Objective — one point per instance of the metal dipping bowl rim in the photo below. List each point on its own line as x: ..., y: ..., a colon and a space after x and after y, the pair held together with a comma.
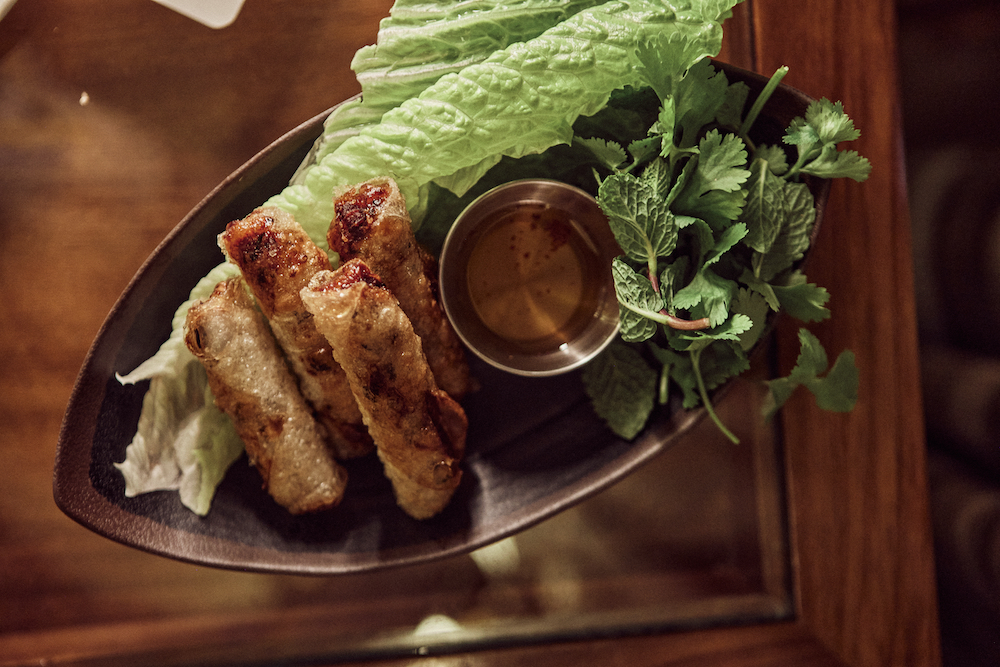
x: 590, y: 220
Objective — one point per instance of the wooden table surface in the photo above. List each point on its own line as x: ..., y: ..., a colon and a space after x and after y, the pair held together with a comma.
x: 118, y: 116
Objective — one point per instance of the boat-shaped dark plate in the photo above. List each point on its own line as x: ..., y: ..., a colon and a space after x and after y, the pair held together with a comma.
x: 535, y: 447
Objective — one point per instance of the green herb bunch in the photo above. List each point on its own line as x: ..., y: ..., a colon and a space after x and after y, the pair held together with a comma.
x: 712, y: 228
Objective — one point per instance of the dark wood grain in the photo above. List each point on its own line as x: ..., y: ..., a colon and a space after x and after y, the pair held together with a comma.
x: 857, y: 484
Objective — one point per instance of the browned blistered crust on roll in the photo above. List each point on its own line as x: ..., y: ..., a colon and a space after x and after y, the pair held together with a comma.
x: 371, y: 223
x: 418, y: 429
x: 277, y: 258
x: 253, y: 385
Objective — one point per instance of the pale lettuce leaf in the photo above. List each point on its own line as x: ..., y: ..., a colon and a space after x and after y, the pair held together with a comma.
x: 182, y: 442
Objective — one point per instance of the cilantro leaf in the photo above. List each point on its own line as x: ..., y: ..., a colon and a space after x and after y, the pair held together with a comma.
x: 701, y: 233
x: 775, y: 156
x: 622, y: 388
x: 730, y: 330
x: 608, y: 153
x: 644, y: 150
x: 730, y: 113
x: 816, y: 137
x: 664, y: 125
x: 828, y: 120
x: 754, y: 306
x: 712, y: 190
x: 700, y: 95
x: 664, y: 59
x: 761, y: 287
x: 838, y: 164
x: 707, y: 295
x: 836, y: 391
x: 727, y: 240
x: 803, y: 300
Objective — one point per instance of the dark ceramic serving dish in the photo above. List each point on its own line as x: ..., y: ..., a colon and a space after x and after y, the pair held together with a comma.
x: 534, y: 449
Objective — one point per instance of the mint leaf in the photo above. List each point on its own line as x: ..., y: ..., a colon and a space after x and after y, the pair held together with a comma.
x: 764, y: 211
x: 643, y: 226
x: 638, y: 302
x: 657, y: 174
x: 837, y: 391
x: 789, y: 246
x: 712, y: 189
x: 622, y: 388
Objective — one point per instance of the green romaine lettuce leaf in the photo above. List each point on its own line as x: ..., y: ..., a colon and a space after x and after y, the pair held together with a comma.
x: 422, y: 40
x: 520, y: 100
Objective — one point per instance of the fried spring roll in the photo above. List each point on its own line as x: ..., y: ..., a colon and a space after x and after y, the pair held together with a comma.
x: 277, y: 258
x: 418, y: 429
x: 371, y: 223
x: 253, y: 385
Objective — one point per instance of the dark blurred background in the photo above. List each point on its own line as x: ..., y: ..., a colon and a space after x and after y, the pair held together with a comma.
x: 950, y: 84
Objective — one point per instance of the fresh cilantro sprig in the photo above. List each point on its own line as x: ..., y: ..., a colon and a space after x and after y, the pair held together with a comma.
x: 712, y: 227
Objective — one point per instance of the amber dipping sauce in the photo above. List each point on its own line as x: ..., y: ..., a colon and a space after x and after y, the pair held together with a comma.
x: 531, y: 276
x: 526, y: 277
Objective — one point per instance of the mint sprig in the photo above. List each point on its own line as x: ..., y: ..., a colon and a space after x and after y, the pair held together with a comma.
x: 712, y: 228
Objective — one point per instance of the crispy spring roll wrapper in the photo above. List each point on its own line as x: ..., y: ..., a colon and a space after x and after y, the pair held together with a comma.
x: 277, y: 258
x: 253, y: 385
x: 371, y: 223
x: 418, y: 428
